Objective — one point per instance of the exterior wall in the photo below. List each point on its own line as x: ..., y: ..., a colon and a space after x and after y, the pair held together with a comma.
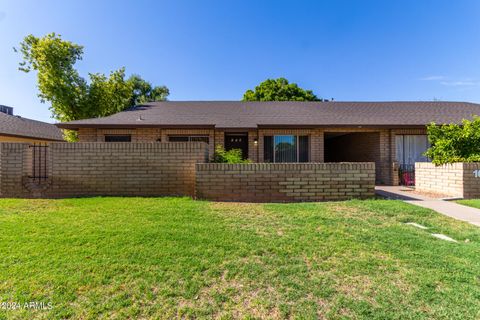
x: 285, y: 182
x: 88, y: 169
x: 454, y: 180
x: 4, y: 138
x: 145, y: 135
x: 384, y: 154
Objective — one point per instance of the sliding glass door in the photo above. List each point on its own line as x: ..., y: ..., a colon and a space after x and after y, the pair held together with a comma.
x: 410, y: 149
x: 286, y: 149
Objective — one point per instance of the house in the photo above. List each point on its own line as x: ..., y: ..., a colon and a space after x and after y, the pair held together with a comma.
x: 18, y: 129
x: 380, y: 132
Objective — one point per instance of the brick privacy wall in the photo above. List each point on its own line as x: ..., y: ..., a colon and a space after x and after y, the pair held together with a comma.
x: 285, y: 182
x: 384, y: 159
x: 455, y: 180
x: 12, y: 169
x: 116, y: 169
x: 471, y: 184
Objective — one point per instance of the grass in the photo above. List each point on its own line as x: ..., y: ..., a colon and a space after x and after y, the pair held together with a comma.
x: 174, y: 257
x: 471, y: 203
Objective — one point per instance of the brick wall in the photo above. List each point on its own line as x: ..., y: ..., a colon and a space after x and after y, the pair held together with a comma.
x: 455, y: 180
x: 89, y: 169
x: 384, y: 142
x: 13, y: 168
x: 268, y: 182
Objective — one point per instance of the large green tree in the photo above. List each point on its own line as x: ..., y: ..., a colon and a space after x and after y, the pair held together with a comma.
x: 279, y: 90
x: 71, y: 96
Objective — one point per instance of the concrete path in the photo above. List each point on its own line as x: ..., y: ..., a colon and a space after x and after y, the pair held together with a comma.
x: 448, y: 208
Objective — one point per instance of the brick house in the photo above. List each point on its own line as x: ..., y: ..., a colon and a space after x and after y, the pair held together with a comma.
x: 386, y: 133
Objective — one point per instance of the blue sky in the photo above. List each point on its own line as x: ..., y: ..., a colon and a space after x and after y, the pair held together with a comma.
x: 215, y: 50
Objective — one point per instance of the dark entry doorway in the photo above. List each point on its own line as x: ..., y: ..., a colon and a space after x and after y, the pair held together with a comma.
x: 237, y: 141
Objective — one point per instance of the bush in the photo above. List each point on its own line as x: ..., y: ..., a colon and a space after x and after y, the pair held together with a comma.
x: 454, y: 143
x: 230, y: 156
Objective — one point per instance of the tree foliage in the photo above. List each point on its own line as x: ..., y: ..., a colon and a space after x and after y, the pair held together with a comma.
x: 454, y: 143
x: 71, y: 96
x: 143, y: 91
x: 279, y: 90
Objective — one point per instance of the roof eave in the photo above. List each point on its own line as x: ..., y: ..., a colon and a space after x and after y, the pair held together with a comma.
x: 370, y: 126
x: 30, y: 137
x: 75, y: 126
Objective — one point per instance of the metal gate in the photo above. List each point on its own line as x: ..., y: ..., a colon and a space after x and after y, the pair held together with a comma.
x: 39, y: 167
x: 406, y: 174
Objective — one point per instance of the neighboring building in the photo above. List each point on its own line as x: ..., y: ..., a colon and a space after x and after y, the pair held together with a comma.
x: 381, y: 132
x: 18, y: 129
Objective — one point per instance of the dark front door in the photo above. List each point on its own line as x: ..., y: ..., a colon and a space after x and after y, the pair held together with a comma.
x: 237, y: 141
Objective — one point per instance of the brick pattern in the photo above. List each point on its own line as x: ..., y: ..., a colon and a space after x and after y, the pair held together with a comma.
x: 13, y: 166
x: 471, y: 184
x: 384, y: 153
x: 455, y: 180
x: 268, y: 182
x: 446, y: 179
x: 116, y: 169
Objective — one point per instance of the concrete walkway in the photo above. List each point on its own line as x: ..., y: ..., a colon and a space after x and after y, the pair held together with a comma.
x: 448, y: 208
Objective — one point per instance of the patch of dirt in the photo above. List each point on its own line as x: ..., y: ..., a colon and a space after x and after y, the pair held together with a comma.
x: 434, y: 195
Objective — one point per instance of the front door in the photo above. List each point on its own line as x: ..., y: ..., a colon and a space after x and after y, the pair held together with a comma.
x: 237, y: 141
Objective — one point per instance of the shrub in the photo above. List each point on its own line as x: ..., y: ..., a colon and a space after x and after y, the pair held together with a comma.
x: 454, y: 143
x: 230, y: 156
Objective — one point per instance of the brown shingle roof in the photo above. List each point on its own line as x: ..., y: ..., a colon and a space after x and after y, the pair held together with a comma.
x: 23, y: 127
x: 236, y: 114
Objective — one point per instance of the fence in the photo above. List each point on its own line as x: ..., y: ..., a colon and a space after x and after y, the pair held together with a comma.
x: 90, y: 169
x: 455, y: 180
x: 285, y: 182
x: 170, y: 169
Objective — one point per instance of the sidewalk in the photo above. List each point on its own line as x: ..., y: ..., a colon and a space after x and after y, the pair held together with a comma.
x: 448, y: 208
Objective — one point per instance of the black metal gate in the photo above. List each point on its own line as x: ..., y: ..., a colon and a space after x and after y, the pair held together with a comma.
x: 39, y: 169
x: 406, y: 174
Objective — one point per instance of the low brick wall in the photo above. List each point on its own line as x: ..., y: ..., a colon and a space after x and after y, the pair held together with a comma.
x: 455, y: 180
x: 268, y: 182
x: 116, y: 169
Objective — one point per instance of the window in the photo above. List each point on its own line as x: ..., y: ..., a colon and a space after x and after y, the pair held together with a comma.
x: 118, y: 138
x: 410, y: 149
x: 285, y: 148
x: 188, y: 139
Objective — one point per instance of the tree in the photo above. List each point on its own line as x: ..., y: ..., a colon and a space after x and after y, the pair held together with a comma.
x: 71, y: 96
x: 144, y: 92
x: 279, y: 90
x: 454, y: 143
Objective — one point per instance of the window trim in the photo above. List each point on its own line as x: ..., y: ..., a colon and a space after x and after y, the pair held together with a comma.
x: 189, y: 137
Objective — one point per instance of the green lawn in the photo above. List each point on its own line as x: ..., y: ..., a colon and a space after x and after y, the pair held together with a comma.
x: 471, y: 203
x: 174, y: 257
